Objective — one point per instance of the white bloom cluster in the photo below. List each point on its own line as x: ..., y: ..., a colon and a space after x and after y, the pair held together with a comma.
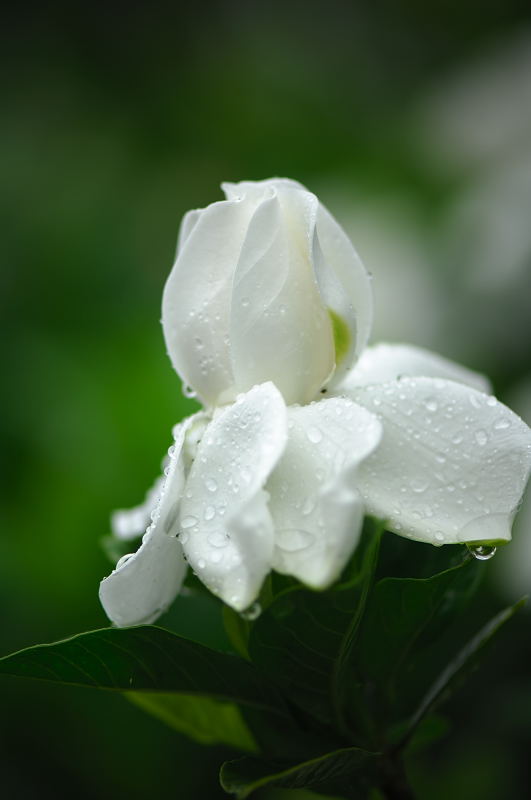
x: 266, y: 315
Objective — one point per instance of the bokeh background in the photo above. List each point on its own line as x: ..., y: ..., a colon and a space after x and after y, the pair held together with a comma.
x: 412, y: 122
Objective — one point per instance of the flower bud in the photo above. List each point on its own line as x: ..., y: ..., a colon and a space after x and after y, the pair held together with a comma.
x: 266, y: 287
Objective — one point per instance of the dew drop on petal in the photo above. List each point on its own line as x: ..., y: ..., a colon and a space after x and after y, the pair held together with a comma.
x: 123, y: 560
x: 293, y: 540
x: 210, y: 513
x: 188, y: 522
x: 314, y: 435
x: 419, y: 485
x: 211, y: 484
x: 502, y: 424
x: 218, y: 539
x: 481, y: 437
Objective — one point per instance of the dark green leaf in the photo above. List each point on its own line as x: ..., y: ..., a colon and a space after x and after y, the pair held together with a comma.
x: 404, y: 617
x: 305, y: 639
x: 144, y: 658
x: 462, y: 665
x: 204, y: 719
x: 349, y: 766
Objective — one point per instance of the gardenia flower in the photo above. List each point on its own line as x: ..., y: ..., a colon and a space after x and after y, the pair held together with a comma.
x: 266, y: 316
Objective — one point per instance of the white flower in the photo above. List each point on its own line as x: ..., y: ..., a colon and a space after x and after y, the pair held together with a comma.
x: 257, y: 482
x: 266, y: 286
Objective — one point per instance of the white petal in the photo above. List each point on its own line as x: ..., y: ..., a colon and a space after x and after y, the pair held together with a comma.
x: 315, y: 505
x: 188, y: 223
x: 197, y: 297
x: 388, y: 362
x: 129, y: 523
x: 280, y: 327
x: 452, y: 465
x: 226, y: 528
x: 144, y: 584
x: 343, y: 261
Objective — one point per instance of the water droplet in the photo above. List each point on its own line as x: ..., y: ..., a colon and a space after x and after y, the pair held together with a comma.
x: 419, y: 485
x: 481, y: 437
x: 482, y: 551
x: 218, y: 539
x: 431, y: 404
x: 491, y: 401
x: 309, y: 505
x: 211, y: 484
x: 210, y: 513
x: 245, y: 302
x: 201, y: 564
x: 183, y: 537
x: 171, y: 450
x: 439, y: 536
x: 123, y: 560
x: 474, y: 400
x: 188, y: 522
x: 501, y: 424
x: 252, y: 613
x: 188, y: 392
x: 457, y: 439
x: 314, y: 435
x: 292, y: 540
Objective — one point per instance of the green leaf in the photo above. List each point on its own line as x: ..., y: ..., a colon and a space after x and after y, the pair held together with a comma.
x: 404, y: 617
x: 462, y: 665
x: 144, y: 658
x: 305, y: 639
x: 349, y: 767
x: 203, y: 719
x: 238, y: 630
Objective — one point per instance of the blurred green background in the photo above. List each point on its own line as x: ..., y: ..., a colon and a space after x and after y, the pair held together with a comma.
x: 412, y: 122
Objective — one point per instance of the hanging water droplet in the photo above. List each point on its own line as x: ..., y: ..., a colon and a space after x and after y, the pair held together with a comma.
x: 481, y: 437
x: 188, y: 522
x: 188, y: 392
x: 439, y: 536
x: 482, y: 551
x: 252, y: 613
x: 314, y: 435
